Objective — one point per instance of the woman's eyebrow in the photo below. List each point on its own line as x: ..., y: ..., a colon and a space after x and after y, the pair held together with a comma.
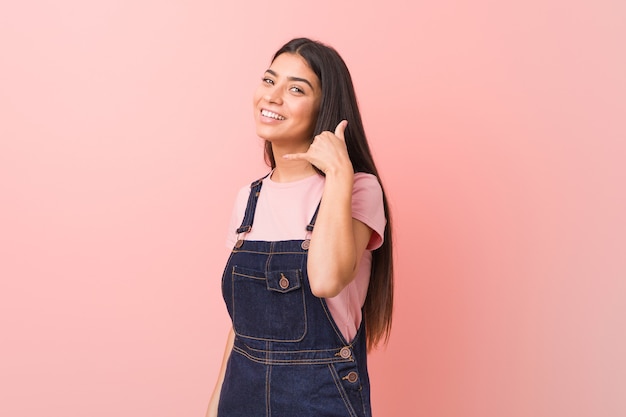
x: 304, y: 80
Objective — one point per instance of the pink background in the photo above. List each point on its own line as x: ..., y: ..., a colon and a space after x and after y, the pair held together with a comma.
x: 499, y: 129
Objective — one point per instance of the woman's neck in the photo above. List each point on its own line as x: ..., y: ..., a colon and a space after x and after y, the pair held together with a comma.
x: 291, y: 170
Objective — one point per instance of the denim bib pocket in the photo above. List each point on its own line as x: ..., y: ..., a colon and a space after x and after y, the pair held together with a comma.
x: 268, y: 306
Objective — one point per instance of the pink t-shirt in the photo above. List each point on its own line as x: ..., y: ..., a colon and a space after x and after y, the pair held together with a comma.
x: 283, y: 211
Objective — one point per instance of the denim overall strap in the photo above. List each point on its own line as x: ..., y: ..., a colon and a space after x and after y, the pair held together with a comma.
x: 248, y: 218
x: 311, y: 224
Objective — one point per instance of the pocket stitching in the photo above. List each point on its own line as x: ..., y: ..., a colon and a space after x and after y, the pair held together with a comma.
x: 260, y: 276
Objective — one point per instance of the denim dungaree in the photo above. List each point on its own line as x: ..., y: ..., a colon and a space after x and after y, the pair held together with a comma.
x: 289, y: 359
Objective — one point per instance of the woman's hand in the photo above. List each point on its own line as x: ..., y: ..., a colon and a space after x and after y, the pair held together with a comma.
x: 328, y: 151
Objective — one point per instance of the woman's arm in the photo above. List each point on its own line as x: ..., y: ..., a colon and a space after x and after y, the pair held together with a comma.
x: 215, y: 397
x: 338, y: 240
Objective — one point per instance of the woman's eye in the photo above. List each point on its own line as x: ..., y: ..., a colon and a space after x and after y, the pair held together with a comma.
x: 268, y: 81
x: 296, y: 90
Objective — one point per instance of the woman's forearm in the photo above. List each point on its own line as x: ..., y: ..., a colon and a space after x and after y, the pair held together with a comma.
x: 338, y: 241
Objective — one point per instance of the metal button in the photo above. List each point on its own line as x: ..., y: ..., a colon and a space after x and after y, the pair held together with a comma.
x: 283, y: 282
x: 345, y: 352
x: 352, y: 377
x: 305, y: 244
x: 239, y: 243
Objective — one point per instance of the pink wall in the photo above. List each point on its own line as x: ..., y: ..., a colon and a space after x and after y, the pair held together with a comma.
x: 125, y: 130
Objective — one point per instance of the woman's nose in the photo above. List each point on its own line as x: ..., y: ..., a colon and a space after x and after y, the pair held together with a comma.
x: 273, y: 96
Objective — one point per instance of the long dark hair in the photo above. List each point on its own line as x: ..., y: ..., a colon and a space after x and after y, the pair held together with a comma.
x: 339, y: 103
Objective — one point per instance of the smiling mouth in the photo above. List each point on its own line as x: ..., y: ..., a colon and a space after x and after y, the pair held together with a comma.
x: 271, y: 115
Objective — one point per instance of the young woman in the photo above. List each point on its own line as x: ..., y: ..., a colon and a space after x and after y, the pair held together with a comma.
x: 309, y: 282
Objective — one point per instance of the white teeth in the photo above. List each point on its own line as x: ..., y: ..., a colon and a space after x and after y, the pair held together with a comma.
x: 271, y: 114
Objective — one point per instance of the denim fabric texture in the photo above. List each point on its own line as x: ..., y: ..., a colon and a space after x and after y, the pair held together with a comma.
x: 289, y: 359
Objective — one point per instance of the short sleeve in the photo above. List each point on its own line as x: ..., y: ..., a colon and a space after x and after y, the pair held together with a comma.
x: 236, y: 217
x: 368, y: 207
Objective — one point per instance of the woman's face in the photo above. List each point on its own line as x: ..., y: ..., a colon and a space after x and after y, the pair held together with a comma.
x: 287, y: 102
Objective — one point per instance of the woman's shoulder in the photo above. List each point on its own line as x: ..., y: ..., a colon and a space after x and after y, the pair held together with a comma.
x: 368, y: 206
x: 245, y: 188
x: 364, y: 182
